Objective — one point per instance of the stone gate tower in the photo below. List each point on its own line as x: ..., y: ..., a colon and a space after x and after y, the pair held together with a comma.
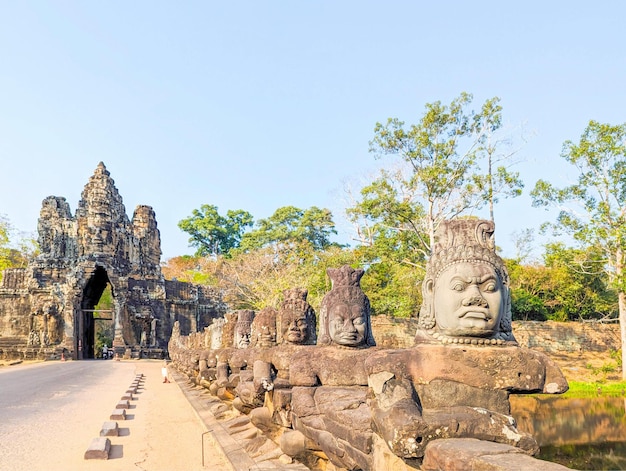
x: 48, y: 307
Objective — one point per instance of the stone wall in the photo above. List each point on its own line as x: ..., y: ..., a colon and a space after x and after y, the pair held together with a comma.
x: 567, y: 337
x: 548, y: 337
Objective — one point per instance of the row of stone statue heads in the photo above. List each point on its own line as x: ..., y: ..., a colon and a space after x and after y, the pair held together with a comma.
x: 454, y: 382
x: 466, y: 300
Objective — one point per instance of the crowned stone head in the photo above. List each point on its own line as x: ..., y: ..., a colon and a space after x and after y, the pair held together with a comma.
x: 345, y: 317
x: 243, y: 328
x: 263, y: 328
x: 466, y: 289
x: 296, y: 321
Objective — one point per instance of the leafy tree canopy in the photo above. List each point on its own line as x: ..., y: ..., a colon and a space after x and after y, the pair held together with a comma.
x: 213, y: 234
x: 15, y: 250
x: 441, y: 173
x: 292, y: 226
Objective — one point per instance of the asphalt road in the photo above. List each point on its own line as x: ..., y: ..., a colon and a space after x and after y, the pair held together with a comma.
x: 51, y: 411
x: 46, y: 408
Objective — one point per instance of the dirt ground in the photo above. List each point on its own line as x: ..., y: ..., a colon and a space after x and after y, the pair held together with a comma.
x: 588, y: 366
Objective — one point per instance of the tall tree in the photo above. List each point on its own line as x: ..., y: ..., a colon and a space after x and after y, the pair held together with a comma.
x: 213, y: 234
x: 593, y: 210
x: 495, y: 153
x: 290, y: 225
x: 441, y: 173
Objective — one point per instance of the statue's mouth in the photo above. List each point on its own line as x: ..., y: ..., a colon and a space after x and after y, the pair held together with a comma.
x: 476, y: 313
x: 348, y: 336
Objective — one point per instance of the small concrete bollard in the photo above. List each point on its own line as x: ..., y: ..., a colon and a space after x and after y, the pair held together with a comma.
x: 123, y: 405
x: 118, y: 414
x: 109, y: 429
x: 99, y: 449
x: 127, y: 397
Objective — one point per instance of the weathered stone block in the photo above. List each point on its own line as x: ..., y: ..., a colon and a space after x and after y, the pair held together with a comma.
x: 462, y: 454
x: 118, y: 414
x: 109, y: 429
x: 123, y: 405
x: 98, y: 449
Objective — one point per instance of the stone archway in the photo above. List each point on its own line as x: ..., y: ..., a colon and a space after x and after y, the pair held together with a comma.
x: 84, y: 317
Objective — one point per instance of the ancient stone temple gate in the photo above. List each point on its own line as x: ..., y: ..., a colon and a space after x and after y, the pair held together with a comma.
x: 47, y: 308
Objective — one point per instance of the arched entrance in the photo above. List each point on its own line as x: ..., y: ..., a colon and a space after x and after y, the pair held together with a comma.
x: 85, y: 321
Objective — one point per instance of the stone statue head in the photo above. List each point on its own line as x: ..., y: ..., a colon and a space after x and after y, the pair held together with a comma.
x: 296, y: 320
x: 228, y: 329
x: 466, y: 289
x: 215, y: 333
x: 345, y: 311
x: 243, y: 328
x: 263, y: 329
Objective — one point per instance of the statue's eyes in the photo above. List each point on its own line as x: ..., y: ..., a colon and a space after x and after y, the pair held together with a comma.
x: 359, y: 321
x: 458, y: 286
x: 490, y: 287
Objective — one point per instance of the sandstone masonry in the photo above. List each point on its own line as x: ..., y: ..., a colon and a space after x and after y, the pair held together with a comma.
x: 47, y: 309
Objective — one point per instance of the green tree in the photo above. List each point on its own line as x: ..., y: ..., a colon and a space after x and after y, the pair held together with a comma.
x: 593, y: 210
x: 15, y: 251
x: 448, y: 166
x: 292, y: 226
x: 213, y: 234
x: 494, y: 155
x: 580, y: 289
x: 570, y: 284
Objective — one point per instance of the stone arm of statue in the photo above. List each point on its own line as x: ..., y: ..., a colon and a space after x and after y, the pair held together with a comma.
x: 399, y: 419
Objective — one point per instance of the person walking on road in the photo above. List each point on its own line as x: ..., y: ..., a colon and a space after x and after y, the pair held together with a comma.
x: 164, y: 372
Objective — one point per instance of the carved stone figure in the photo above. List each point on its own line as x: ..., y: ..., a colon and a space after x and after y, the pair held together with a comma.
x: 215, y: 331
x: 460, y: 386
x: 243, y: 328
x: 466, y: 288
x: 263, y: 328
x: 296, y: 321
x: 345, y: 311
x: 371, y: 408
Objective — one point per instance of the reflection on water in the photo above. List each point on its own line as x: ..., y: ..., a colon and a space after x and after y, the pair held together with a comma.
x: 586, y: 434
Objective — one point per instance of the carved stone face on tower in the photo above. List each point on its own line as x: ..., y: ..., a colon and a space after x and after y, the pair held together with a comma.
x: 345, y: 311
x: 465, y: 290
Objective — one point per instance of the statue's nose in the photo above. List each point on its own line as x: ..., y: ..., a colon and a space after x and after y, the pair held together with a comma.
x: 348, y: 326
x: 475, y: 300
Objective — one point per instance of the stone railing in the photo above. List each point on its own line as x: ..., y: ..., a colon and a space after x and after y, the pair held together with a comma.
x: 357, y: 409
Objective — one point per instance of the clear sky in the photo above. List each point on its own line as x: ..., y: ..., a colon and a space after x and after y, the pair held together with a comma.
x: 256, y: 105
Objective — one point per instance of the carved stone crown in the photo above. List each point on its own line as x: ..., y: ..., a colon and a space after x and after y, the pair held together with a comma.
x: 465, y: 240
x: 245, y: 316
x: 458, y: 241
x: 345, y: 276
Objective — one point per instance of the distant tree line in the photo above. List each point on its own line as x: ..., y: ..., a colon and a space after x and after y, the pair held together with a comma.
x: 453, y: 162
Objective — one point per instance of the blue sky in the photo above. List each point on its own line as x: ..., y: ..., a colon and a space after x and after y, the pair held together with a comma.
x: 257, y: 105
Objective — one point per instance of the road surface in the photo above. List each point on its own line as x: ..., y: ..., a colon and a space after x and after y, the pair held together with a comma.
x: 51, y: 411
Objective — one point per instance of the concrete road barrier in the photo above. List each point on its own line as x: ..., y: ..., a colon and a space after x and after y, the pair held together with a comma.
x: 98, y: 449
x: 109, y: 429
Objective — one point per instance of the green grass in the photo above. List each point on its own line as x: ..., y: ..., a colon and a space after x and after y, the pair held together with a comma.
x: 596, y: 389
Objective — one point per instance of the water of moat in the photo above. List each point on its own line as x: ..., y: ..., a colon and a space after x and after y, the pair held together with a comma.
x: 584, y: 434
